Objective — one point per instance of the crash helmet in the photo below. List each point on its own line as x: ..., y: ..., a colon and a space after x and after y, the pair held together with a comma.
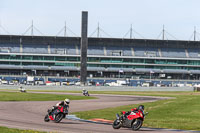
x: 83, y: 89
x: 67, y: 101
x: 141, y: 107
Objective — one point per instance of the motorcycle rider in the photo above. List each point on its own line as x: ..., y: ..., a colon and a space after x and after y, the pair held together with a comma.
x: 140, y: 107
x: 22, y: 89
x: 65, y: 104
x: 134, y: 110
x: 84, y: 91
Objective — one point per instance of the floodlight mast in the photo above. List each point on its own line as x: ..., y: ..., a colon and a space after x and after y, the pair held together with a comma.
x: 195, y: 33
x: 65, y: 30
x: 32, y: 28
x: 98, y: 31
x: 163, y: 36
x: 131, y: 32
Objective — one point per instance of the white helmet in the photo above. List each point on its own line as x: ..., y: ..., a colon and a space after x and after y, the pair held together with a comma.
x: 67, y: 101
x: 83, y: 89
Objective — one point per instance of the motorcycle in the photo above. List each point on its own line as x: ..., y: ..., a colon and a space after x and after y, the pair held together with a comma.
x: 21, y: 89
x: 86, y: 93
x: 133, y: 119
x: 55, y: 114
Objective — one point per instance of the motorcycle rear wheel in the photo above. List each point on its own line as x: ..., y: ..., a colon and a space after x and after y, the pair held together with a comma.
x: 137, y: 124
x: 46, y: 118
x: 59, y: 117
x: 116, y: 124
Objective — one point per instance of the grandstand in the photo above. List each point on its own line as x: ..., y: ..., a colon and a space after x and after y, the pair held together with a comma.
x: 107, y: 57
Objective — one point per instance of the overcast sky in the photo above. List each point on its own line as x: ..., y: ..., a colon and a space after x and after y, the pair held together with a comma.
x: 114, y: 16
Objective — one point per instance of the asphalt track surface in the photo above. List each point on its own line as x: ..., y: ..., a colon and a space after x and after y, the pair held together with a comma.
x: 30, y: 115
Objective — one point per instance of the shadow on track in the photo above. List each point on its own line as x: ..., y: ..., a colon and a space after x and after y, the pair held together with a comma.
x: 73, y: 123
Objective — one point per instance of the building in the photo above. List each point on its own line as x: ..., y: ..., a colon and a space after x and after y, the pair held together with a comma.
x: 107, y: 57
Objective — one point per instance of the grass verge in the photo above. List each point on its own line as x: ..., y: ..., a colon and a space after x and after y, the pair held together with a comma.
x: 13, y: 130
x: 183, y: 112
x: 17, y: 96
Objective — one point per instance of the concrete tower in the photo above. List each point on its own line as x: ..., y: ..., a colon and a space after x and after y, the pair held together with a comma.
x: 84, y: 46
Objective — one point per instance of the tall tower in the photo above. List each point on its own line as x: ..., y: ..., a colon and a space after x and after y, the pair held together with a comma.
x: 84, y: 46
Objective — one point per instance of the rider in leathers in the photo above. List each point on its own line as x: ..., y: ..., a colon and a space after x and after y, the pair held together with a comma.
x: 65, y: 104
x: 85, y: 92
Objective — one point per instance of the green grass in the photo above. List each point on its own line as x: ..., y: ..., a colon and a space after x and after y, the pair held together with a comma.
x: 181, y: 112
x: 17, y: 96
x: 13, y: 130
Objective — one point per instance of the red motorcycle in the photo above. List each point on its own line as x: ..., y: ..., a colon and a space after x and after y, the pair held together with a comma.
x: 55, y: 114
x: 133, y: 119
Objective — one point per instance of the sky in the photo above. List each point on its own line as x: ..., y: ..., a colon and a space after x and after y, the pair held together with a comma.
x: 115, y: 17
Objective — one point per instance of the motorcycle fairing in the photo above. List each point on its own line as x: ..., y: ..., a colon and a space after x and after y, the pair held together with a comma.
x: 51, y: 117
x: 54, y: 113
x: 61, y: 109
x: 135, y: 115
x: 123, y: 112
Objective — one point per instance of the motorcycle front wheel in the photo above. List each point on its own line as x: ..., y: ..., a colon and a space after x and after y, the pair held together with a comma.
x: 59, y: 117
x: 116, y: 124
x: 46, y: 118
x: 137, y: 124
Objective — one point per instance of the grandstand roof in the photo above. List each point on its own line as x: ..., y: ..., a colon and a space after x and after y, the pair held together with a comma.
x: 100, y: 41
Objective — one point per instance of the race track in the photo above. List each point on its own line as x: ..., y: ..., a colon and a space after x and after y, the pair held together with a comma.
x: 29, y: 115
